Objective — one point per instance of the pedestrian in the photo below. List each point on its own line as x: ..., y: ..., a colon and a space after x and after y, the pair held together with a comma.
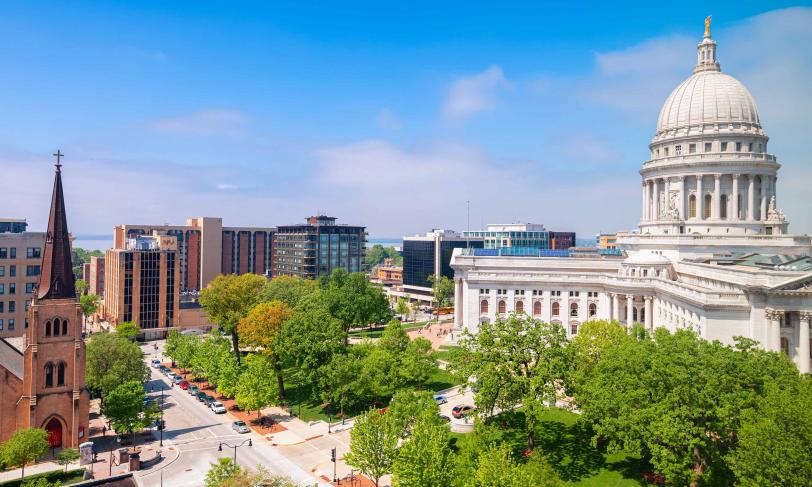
x: 104, y: 430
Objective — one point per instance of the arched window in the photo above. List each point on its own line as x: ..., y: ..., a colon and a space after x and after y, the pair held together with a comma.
x: 706, y: 211
x: 537, y: 308
x: 48, y: 328
x: 56, y: 327
x: 692, y: 206
x: 60, y: 374
x: 520, y: 306
x: 483, y: 306
x: 555, y: 309
x: 593, y: 310
x: 501, y: 307
x: 64, y: 327
x: 49, y: 374
x: 574, y: 310
x: 723, y: 207
x: 642, y: 315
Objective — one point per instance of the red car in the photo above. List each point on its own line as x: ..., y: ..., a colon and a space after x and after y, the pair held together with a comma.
x: 184, y: 384
x: 460, y: 411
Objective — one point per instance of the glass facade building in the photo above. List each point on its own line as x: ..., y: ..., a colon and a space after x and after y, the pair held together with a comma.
x: 317, y: 248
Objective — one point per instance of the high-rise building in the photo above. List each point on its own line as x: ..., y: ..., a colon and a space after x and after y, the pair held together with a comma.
x: 43, y: 372
x: 430, y: 254
x: 318, y: 247
x: 20, y: 265
x: 95, y: 282
x: 141, y: 284
x: 206, y: 248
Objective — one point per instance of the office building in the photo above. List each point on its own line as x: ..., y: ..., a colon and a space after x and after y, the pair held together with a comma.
x: 20, y: 266
x: 95, y: 281
x: 141, y: 284
x: 318, y: 247
x: 206, y: 248
x: 522, y: 236
x: 606, y: 240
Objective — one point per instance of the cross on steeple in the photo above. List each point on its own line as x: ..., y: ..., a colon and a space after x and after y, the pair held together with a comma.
x: 59, y: 155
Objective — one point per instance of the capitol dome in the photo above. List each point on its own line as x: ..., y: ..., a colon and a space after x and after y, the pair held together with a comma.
x: 708, y: 97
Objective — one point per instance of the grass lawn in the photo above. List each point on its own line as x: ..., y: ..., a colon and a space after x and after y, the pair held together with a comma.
x: 58, y: 477
x: 445, y: 351
x: 567, y: 447
x: 378, y: 331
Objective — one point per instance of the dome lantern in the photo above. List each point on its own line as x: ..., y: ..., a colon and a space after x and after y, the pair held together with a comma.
x: 706, y: 52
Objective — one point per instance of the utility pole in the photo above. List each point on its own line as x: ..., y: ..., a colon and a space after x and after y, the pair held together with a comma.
x: 333, y: 459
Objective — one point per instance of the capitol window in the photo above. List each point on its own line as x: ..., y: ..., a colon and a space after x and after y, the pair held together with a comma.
x: 666, y: 151
x: 723, y: 206
x: 724, y: 147
x: 738, y: 146
x: 708, y: 146
x: 555, y: 308
x: 692, y: 148
x: 750, y: 147
x: 678, y: 149
x: 706, y: 211
x: 692, y: 206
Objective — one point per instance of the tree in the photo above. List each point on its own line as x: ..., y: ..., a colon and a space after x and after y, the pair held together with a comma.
x: 589, y: 344
x: 443, y: 290
x: 228, y: 299
x: 678, y: 400
x: 24, y: 446
x: 497, y: 468
x: 81, y: 287
x: 261, y: 329
x: 408, y: 406
x: 127, y: 329
x: 39, y: 482
x: 89, y: 304
x: 125, y: 410
x: 67, y: 456
x: 256, y: 387
x: 257, y: 478
x: 376, y: 254
x: 417, y: 362
x: 402, y: 307
x: 394, y: 338
x: 425, y: 458
x: 291, y: 290
x: 355, y: 301
x: 338, y: 381
x: 113, y: 360
x: 211, y: 352
x: 373, y: 444
x: 221, y: 472
x: 775, y: 439
x: 414, y: 308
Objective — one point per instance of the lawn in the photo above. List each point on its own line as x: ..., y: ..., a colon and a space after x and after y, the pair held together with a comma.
x: 445, y: 351
x: 566, y: 445
x: 378, y: 331
x: 57, y: 477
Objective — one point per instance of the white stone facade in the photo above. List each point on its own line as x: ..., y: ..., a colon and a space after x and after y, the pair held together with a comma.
x: 708, y: 201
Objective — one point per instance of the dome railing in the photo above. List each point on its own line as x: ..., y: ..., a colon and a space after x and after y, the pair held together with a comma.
x: 711, y: 156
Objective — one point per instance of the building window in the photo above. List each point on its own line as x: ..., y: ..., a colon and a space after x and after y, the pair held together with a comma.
x: 12, y: 252
x: 692, y: 148
x: 49, y: 374
x: 574, y: 294
x: 29, y: 288
x: 33, y: 253
x: 537, y: 308
x: 10, y: 325
x: 738, y: 146
x: 48, y: 328
x: 60, y: 374
x: 706, y: 211
x: 12, y: 306
x: 556, y: 308
x: 32, y: 270
x: 593, y: 310
x: 574, y: 310
x: 483, y: 307
x: 520, y: 306
x: 64, y: 327
x: 1, y: 325
x: 724, y: 147
x: 723, y: 207
x: 750, y: 147
x: 2, y: 306
x: 785, y: 345
x: 574, y: 328
x: 2, y: 271
x: 692, y: 206
x: 678, y: 150
x: 12, y: 271
x: 666, y: 151
x: 708, y: 146
x: 3, y: 253
x: 12, y: 288
x: 501, y: 307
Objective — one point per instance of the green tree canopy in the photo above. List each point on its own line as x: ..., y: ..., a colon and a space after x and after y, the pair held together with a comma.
x: 256, y: 387
x: 89, y: 304
x: 228, y: 299
x: 443, y: 289
x: 373, y: 444
x: 291, y: 290
x: 221, y: 473
x: 353, y: 300
x: 127, y: 329
x: 402, y: 307
x: 425, y: 458
x: 125, y: 409
x: 112, y: 360
x: 261, y: 329
x: 24, y: 446
x: 67, y: 456
x: 408, y: 405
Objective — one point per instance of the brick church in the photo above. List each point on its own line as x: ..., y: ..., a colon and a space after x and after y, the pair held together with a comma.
x: 42, y: 373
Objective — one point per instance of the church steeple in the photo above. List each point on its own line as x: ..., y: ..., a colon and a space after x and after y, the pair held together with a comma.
x: 56, y: 280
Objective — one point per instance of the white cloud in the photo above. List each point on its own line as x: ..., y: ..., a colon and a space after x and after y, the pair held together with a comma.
x: 387, y: 120
x: 208, y: 122
x: 227, y: 187
x: 473, y: 94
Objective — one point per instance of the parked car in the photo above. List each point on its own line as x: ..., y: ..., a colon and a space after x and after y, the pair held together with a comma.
x: 441, y: 399
x: 177, y: 379
x: 193, y: 390
x: 218, y: 407
x: 163, y: 368
x: 209, y: 400
x: 444, y: 417
x: 461, y: 410
x: 201, y: 396
x: 156, y: 363
x: 240, y: 427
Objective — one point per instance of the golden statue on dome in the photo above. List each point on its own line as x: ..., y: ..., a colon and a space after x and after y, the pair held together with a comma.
x: 707, y: 25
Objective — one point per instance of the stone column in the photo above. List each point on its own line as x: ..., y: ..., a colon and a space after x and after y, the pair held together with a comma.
x: 682, y: 198
x: 629, y: 309
x: 736, y: 215
x: 649, y: 317
x: 803, y: 342
x: 700, y: 199
x: 751, y: 197
x: 773, y: 317
x: 717, y: 197
x: 458, y: 304
x: 645, y: 200
x: 656, y: 196
x: 764, y: 183
x: 615, y: 307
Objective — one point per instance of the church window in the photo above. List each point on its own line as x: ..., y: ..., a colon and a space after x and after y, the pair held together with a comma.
x: 692, y: 206
x: 56, y: 327
x: 520, y: 306
x: 49, y: 374
x: 537, y: 308
x: 483, y: 307
x: 692, y: 148
x: 593, y: 310
x: 706, y: 211
x: 723, y: 207
x: 64, y: 327
x: 556, y: 307
x: 724, y: 147
x: 574, y: 310
x: 60, y: 374
x: 48, y: 328
x: 501, y: 307
x: 708, y: 146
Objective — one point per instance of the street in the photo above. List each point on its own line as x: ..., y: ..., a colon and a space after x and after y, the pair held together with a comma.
x: 195, y: 432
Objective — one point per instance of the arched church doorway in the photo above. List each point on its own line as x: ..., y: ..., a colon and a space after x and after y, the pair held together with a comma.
x: 54, y: 430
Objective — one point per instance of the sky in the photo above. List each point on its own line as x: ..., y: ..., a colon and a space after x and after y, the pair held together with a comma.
x: 392, y: 116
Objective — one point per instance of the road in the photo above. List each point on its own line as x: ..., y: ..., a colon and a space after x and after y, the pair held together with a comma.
x: 196, y: 432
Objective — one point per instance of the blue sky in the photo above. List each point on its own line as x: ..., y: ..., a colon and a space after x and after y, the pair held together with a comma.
x: 265, y: 112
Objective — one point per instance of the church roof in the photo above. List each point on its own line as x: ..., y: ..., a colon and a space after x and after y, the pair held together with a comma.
x: 11, y: 358
x: 56, y: 279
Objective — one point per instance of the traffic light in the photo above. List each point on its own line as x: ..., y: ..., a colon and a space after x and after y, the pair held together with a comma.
x: 333, y: 455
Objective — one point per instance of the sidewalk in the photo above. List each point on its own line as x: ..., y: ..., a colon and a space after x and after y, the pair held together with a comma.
x: 35, y: 469
x: 297, y: 431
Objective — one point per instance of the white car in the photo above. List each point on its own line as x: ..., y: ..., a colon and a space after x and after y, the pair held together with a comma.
x: 156, y: 363
x: 217, y: 407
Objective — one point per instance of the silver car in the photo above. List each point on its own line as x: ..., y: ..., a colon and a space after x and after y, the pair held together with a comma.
x: 240, y: 427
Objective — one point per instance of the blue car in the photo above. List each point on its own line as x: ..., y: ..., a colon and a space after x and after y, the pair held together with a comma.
x: 441, y: 399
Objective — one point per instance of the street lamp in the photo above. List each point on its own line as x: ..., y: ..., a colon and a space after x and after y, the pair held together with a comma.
x: 220, y: 447
x: 161, y: 425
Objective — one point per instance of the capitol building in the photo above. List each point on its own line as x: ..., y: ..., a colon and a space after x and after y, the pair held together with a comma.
x: 712, y: 252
